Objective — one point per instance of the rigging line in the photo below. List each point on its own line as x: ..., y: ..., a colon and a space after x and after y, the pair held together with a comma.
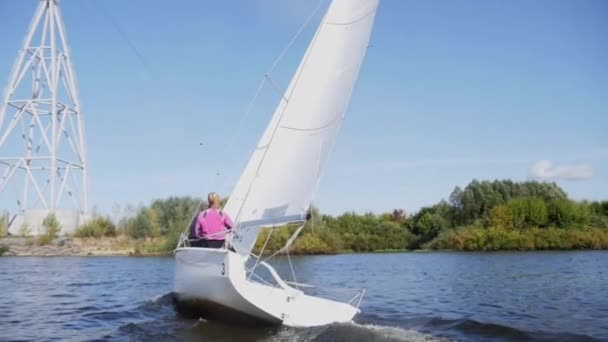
x: 276, y: 88
x: 194, y: 217
x: 293, y: 273
x: 293, y: 39
x: 108, y: 16
x: 263, y: 281
x: 295, y: 82
x: 228, y: 147
x: 257, y: 262
x: 291, y: 239
x: 146, y: 66
x: 235, y: 133
x: 252, y: 103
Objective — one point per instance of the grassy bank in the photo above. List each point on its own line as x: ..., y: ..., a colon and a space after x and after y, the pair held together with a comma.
x: 470, y: 238
x: 70, y: 246
x: 500, y: 239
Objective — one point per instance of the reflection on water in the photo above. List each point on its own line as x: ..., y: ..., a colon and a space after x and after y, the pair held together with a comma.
x: 410, y: 297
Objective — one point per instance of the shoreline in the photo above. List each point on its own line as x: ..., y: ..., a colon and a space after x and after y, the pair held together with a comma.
x: 71, y: 246
x: 112, y: 247
x: 122, y: 246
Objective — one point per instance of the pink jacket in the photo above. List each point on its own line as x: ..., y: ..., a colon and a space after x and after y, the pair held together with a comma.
x: 212, y: 222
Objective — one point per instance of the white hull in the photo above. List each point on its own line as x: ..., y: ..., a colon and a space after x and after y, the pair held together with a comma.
x: 213, y: 283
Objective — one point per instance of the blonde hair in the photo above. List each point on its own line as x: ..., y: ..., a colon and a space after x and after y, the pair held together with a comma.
x: 213, y: 200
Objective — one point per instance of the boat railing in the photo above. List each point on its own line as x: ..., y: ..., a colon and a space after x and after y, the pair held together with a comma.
x: 184, y: 240
x: 300, y: 288
x: 357, y: 298
x: 277, y: 278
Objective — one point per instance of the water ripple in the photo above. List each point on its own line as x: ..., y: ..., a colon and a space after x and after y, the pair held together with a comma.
x: 411, y: 297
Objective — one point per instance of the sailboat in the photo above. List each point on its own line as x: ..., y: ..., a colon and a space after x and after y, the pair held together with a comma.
x: 277, y: 187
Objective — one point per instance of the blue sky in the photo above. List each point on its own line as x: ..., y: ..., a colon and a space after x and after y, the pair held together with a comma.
x: 450, y: 91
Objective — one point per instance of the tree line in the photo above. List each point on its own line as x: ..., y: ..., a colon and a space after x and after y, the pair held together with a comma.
x: 485, y: 215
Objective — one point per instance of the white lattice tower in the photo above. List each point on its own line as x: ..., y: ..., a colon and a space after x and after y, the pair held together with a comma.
x: 43, y: 165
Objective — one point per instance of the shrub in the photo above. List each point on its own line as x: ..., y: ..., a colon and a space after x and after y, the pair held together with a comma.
x: 311, y: 244
x: 171, y: 241
x: 155, y: 246
x: 173, y: 210
x: 598, y: 221
x: 3, y: 250
x: 500, y: 216
x: 144, y: 224
x: 174, y: 232
x: 493, y: 239
x: 96, y: 227
x: 3, y: 226
x: 51, y: 229
x: 24, y: 230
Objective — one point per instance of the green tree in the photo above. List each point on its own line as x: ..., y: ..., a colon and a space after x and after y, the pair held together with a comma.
x: 144, y: 224
x: 565, y: 213
x: 174, y: 209
x: 519, y: 211
x: 501, y: 217
x: 537, y: 215
x: 599, y: 208
x: 477, y: 199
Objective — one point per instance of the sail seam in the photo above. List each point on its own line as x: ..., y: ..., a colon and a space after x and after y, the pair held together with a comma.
x: 331, y: 123
x: 353, y: 21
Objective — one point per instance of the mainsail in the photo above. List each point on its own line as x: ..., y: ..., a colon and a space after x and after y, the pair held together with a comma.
x: 279, y: 181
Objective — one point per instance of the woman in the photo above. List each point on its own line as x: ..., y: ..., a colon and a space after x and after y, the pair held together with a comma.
x: 212, y: 224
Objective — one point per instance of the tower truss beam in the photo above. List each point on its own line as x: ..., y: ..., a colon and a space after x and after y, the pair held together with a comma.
x: 42, y: 137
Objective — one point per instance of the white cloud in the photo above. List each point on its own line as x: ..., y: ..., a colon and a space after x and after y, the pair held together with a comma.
x: 548, y: 170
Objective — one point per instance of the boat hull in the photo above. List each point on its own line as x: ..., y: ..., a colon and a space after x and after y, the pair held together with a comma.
x: 211, y: 283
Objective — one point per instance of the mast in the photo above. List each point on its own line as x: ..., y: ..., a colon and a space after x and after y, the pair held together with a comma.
x: 42, y: 137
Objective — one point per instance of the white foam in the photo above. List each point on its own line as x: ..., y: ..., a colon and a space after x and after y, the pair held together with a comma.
x: 157, y: 298
x: 397, y: 334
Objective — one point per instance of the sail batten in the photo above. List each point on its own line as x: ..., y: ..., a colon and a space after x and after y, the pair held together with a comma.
x: 281, y: 176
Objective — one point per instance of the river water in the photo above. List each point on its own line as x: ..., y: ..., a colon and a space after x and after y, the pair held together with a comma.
x: 549, y: 296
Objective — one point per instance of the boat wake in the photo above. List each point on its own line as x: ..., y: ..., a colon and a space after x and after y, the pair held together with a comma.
x: 372, y: 332
x: 158, y: 302
x: 157, y: 318
x: 443, y: 329
x: 162, y: 320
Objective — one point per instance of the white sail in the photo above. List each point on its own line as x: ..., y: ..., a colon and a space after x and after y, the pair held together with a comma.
x: 281, y: 176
